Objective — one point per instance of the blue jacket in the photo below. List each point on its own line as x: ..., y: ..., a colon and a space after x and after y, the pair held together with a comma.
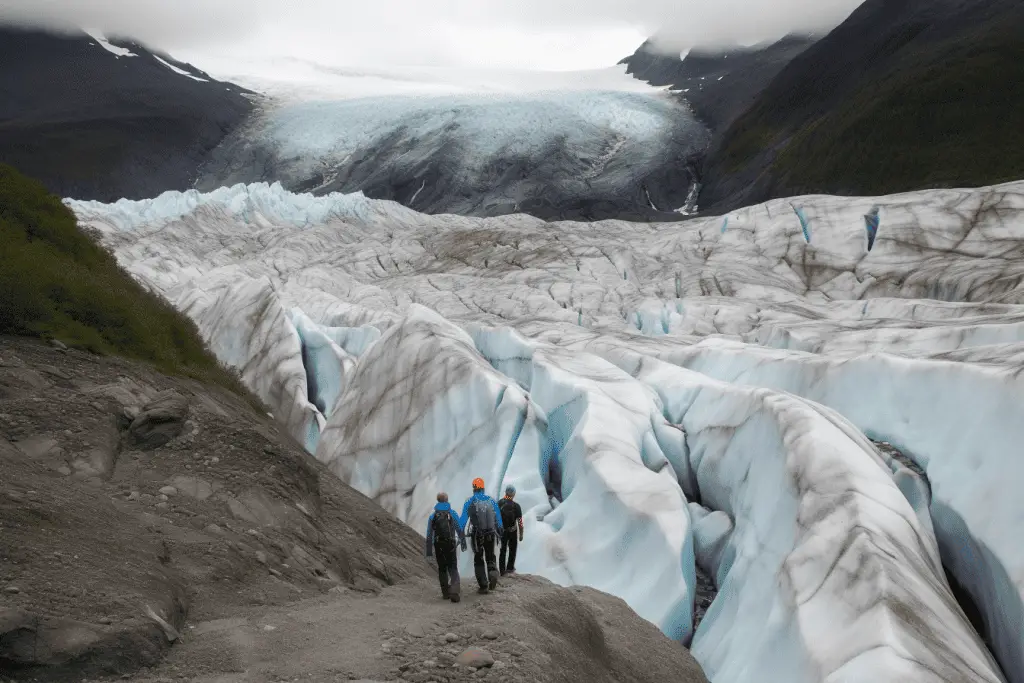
x: 430, y: 527
x: 464, y: 519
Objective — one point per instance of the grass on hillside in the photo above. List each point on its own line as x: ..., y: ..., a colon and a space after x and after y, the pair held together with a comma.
x: 57, y: 282
x: 946, y: 118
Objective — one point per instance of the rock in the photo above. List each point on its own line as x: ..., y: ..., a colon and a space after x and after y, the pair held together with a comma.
x: 194, y: 487
x: 134, y: 495
x: 54, y: 372
x: 58, y: 344
x: 159, y: 421
x: 106, y: 621
x: 213, y: 529
x: 41, y: 447
x: 162, y: 506
x: 261, y: 557
x: 416, y: 630
x: 164, y: 497
x: 450, y: 637
x: 168, y: 491
x: 104, y: 447
x: 64, y: 470
x: 475, y: 657
x: 498, y: 665
x: 489, y: 635
x: 12, y: 590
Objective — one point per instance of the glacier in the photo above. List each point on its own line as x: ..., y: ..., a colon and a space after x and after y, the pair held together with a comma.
x: 577, y: 144
x: 664, y: 396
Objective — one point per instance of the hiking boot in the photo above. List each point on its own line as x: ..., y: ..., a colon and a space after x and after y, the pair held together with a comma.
x: 494, y: 583
x: 445, y: 595
x: 503, y: 572
x: 483, y: 590
x: 455, y: 597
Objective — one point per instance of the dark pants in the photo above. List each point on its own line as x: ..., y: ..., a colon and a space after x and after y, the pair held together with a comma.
x: 448, y: 571
x: 509, y: 543
x: 483, y: 549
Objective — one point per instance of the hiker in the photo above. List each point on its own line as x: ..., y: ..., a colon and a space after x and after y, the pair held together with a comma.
x: 444, y: 535
x: 512, y: 521
x: 482, y: 512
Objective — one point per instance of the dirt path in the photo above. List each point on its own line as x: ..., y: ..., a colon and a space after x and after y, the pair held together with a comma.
x: 530, y: 629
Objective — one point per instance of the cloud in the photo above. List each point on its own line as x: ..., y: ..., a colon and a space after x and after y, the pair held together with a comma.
x: 553, y: 33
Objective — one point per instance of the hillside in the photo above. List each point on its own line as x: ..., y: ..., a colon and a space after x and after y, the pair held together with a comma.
x: 105, y: 120
x: 60, y: 284
x: 903, y: 95
x: 719, y: 84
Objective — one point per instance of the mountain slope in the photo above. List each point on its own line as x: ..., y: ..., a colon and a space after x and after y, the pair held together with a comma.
x: 904, y: 94
x: 101, y: 120
x: 719, y: 84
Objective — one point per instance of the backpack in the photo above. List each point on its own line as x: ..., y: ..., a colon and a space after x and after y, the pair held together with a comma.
x: 443, y: 527
x: 508, y: 513
x: 481, y: 514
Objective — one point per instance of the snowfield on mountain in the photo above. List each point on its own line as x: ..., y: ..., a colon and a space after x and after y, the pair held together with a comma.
x: 663, y: 396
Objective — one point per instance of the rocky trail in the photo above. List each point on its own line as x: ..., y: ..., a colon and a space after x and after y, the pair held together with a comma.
x: 154, y: 528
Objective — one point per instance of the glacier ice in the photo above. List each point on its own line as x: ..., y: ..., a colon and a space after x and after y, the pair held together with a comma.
x: 701, y: 394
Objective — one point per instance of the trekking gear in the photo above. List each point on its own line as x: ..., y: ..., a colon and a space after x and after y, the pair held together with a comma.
x: 443, y: 527
x: 509, y: 510
x: 478, y: 484
x: 481, y: 515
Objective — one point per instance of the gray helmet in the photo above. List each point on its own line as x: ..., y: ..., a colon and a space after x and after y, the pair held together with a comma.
x: 510, y: 490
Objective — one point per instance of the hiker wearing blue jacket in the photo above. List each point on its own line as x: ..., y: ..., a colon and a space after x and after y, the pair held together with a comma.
x: 481, y: 511
x: 444, y: 537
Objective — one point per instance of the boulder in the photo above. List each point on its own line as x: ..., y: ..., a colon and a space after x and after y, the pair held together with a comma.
x: 159, y: 421
x: 475, y: 657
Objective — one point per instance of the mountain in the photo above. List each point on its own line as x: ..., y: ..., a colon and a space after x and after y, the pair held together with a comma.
x: 904, y: 94
x: 719, y: 84
x: 105, y: 119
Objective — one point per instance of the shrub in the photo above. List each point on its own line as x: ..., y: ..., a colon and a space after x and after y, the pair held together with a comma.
x: 57, y: 282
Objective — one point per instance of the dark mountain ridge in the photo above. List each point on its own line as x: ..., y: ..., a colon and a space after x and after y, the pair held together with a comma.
x: 93, y: 124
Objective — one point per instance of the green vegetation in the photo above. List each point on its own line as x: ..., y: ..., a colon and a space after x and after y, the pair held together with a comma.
x: 944, y: 116
x: 57, y: 282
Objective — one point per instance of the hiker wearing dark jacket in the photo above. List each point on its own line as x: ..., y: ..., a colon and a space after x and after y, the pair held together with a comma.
x: 483, y: 514
x: 444, y: 537
x: 512, y: 522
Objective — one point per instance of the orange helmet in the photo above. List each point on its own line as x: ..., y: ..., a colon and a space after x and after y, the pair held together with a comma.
x: 478, y: 483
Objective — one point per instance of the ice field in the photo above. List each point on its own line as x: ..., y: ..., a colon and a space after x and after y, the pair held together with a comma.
x: 662, y: 396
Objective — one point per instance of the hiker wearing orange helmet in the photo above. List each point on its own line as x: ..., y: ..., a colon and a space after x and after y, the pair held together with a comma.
x: 481, y: 511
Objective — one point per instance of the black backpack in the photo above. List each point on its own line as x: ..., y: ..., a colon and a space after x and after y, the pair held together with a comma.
x: 443, y: 527
x: 508, y: 513
x: 481, y: 514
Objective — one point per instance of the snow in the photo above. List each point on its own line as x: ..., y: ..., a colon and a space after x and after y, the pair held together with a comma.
x: 106, y: 45
x: 732, y: 362
x: 298, y: 80
x: 179, y: 71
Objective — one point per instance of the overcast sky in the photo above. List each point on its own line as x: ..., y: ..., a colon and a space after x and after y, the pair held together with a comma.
x: 550, y: 34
